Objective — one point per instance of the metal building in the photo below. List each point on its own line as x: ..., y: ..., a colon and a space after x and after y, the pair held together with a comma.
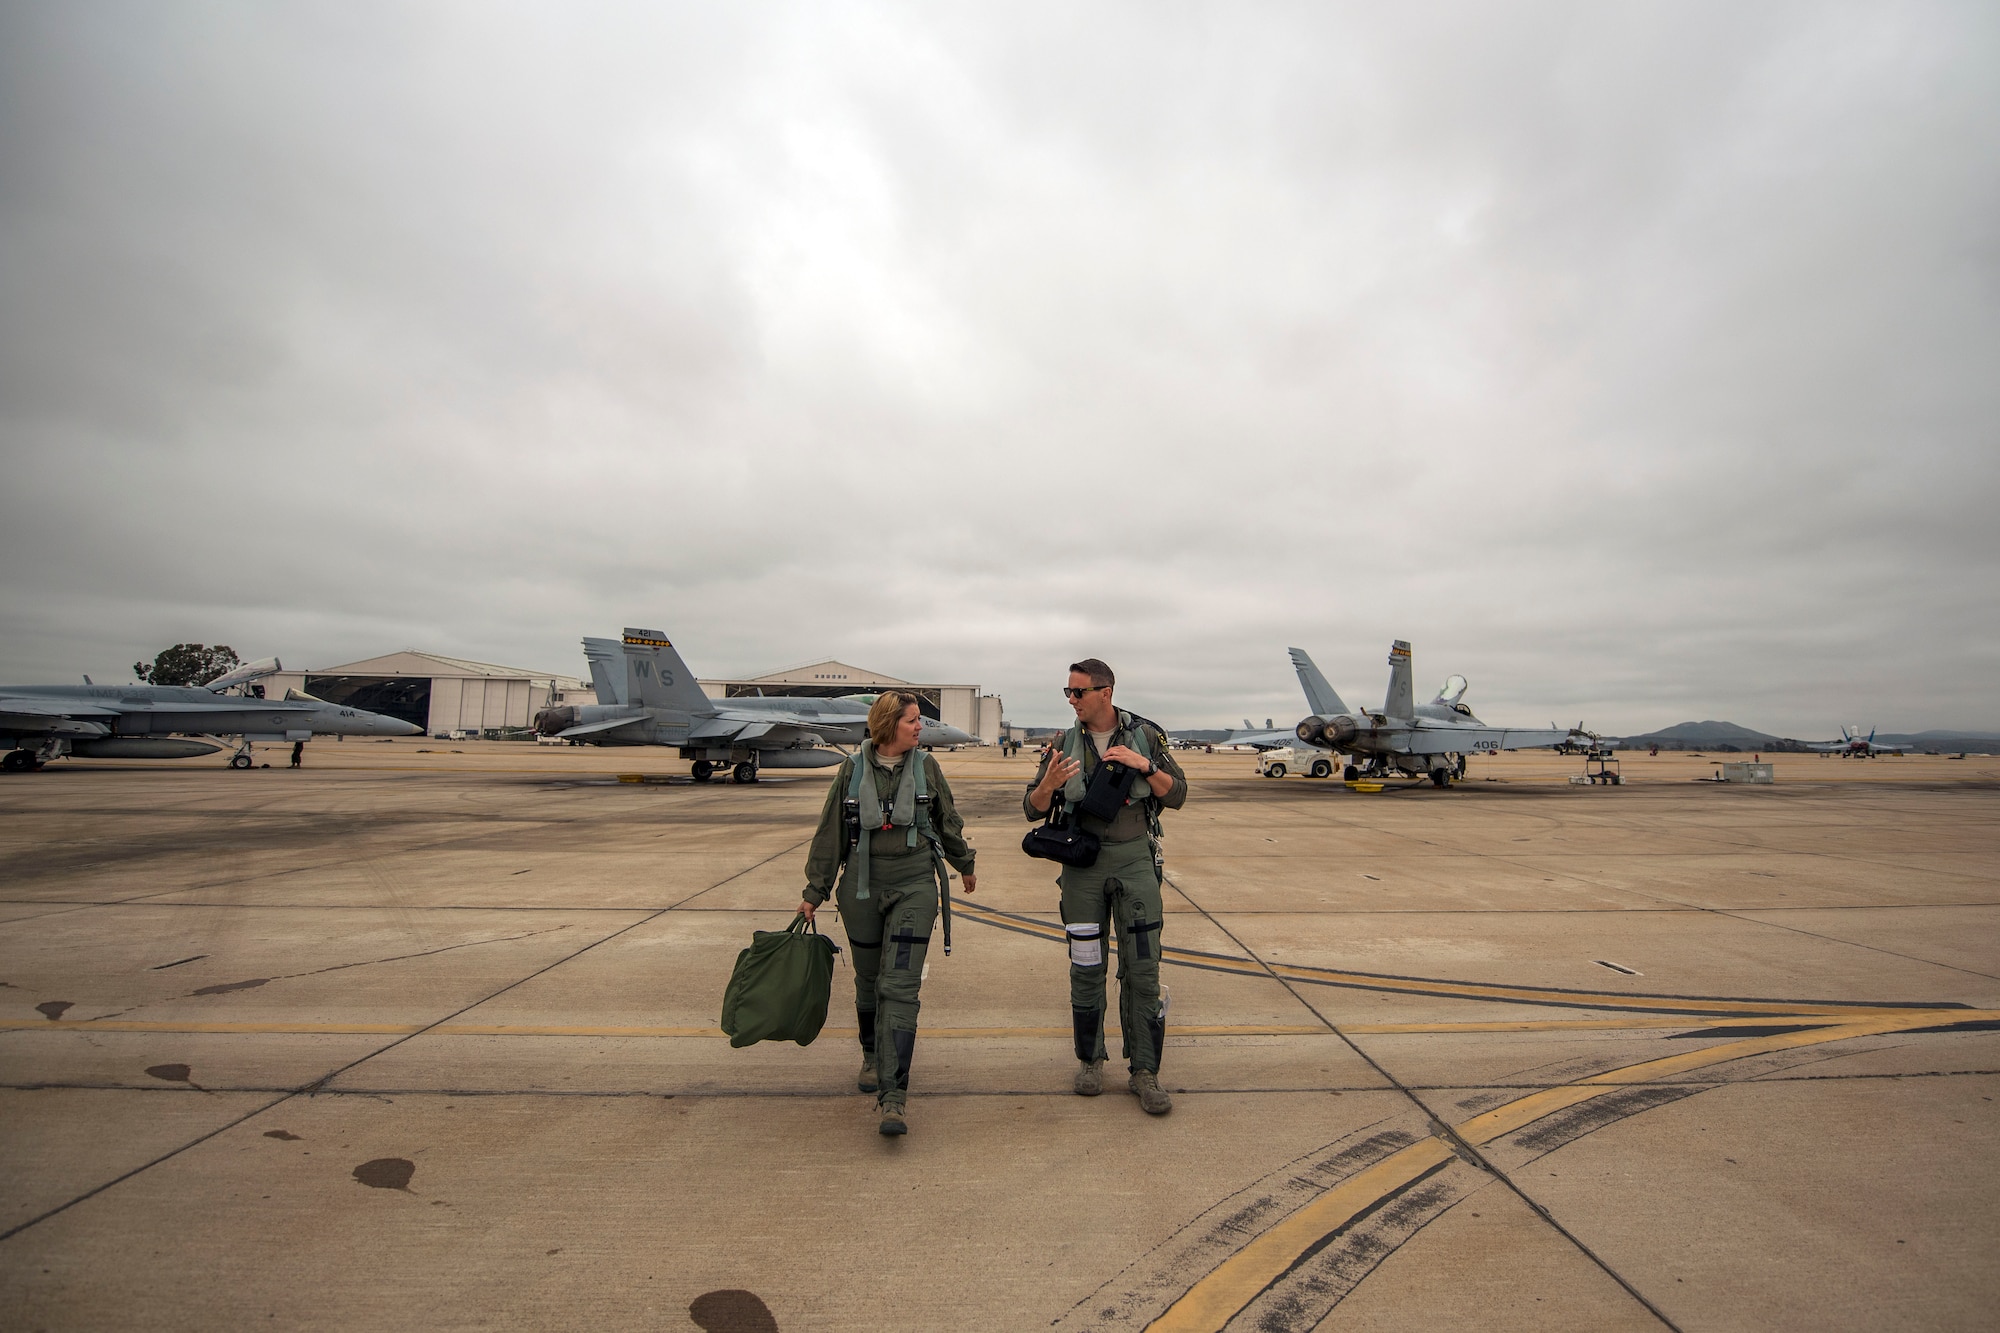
x: 961, y: 706
x: 443, y: 695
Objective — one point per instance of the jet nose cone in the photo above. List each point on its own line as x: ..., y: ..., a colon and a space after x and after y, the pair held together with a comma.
x: 395, y: 726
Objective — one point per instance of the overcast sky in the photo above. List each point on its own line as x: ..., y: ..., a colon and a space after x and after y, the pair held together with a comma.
x: 1640, y: 362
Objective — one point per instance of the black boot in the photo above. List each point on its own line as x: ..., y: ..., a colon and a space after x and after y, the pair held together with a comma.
x: 1087, y: 1024
x: 906, y: 1049
x: 864, y: 1019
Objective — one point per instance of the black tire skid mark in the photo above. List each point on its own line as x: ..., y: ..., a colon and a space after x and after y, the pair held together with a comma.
x: 1567, y: 1126
x: 1325, y: 1274
x: 1135, y: 1297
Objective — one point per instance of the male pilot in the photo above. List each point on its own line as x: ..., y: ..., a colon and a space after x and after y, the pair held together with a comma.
x: 1123, y: 886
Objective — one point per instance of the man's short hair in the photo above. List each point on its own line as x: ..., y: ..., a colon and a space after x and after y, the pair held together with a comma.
x: 1093, y: 667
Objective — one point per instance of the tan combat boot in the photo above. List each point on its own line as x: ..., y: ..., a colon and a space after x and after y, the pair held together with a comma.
x: 1089, y: 1078
x: 893, y: 1122
x: 867, y: 1081
x: 1152, y: 1097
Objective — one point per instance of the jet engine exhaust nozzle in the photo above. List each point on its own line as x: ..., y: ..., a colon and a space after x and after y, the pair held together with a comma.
x: 1330, y: 731
x: 555, y: 720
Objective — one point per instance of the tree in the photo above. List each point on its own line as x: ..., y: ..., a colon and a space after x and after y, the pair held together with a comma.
x: 188, y: 664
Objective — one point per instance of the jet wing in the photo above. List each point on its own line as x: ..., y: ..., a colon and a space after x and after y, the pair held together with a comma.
x: 598, y: 728
x: 762, y: 733
x: 54, y: 708
x: 1478, y: 740
x: 44, y: 722
x: 1262, y: 740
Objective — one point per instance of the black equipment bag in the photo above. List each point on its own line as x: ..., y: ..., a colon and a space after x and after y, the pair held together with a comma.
x: 1105, y: 795
x: 1057, y: 839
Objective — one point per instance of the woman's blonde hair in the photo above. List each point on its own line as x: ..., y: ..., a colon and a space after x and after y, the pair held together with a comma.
x: 885, y: 713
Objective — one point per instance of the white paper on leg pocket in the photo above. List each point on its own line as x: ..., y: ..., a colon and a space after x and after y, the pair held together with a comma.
x: 1086, y: 945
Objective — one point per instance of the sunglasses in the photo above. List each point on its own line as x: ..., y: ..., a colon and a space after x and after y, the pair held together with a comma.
x: 1075, y: 693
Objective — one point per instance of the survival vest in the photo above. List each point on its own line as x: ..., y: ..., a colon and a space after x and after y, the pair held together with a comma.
x: 867, y: 811
x: 1137, y: 731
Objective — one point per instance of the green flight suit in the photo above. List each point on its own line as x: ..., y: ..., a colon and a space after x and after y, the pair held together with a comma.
x: 1121, y: 890
x: 889, y: 931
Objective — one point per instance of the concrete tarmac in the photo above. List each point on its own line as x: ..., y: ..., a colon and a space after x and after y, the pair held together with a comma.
x: 423, y: 1035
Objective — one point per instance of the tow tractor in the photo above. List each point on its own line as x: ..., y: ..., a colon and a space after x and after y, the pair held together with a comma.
x: 1277, y: 763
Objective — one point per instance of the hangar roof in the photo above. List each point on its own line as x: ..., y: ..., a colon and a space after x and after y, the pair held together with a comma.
x: 411, y: 662
x: 827, y: 672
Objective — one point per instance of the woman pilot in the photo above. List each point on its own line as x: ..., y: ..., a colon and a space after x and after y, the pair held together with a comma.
x: 890, y: 821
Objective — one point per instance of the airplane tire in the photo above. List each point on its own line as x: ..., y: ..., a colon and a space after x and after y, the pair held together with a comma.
x: 746, y: 773
x: 1350, y: 773
x: 702, y: 770
x: 18, y: 761
x: 240, y: 761
x: 1439, y: 777
x: 1322, y: 769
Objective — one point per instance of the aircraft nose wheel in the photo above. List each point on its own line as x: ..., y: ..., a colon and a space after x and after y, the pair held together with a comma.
x: 745, y: 773
x: 240, y: 761
x: 702, y: 770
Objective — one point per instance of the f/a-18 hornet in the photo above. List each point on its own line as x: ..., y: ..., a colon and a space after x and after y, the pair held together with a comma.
x: 647, y: 696
x: 42, y: 722
x: 1407, y: 737
x: 1853, y: 745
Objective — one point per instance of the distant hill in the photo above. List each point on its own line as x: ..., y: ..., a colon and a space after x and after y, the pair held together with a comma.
x: 1702, y: 733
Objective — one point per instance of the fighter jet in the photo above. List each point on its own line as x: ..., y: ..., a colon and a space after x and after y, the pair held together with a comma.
x: 647, y: 696
x: 42, y: 722
x: 1853, y: 745
x: 1406, y: 737
x: 1265, y: 737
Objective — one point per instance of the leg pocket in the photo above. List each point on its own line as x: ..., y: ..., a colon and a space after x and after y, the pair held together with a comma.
x: 1086, y: 944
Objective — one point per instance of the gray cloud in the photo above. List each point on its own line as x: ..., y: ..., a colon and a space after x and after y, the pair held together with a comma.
x: 1635, y: 361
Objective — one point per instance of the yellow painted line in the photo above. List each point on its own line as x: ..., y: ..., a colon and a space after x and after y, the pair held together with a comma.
x: 1218, y: 1297
x: 578, y: 1030
x: 126, y: 1025
x: 1238, y: 1280
x: 1635, y: 1023
x: 1467, y: 990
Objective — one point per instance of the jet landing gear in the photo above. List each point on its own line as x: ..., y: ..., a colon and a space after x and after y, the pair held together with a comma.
x: 18, y: 761
x: 704, y: 770
x: 1452, y: 770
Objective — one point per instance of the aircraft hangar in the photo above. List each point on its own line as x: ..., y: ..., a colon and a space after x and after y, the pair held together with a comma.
x: 441, y: 694
x: 961, y: 706
x: 444, y: 695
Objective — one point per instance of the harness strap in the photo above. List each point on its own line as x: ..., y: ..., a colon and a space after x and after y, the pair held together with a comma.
x: 909, y: 809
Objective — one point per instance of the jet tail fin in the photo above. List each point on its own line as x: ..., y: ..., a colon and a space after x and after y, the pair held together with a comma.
x: 1320, y: 696
x: 1401, y: 701
x: 607, y: 676
x: 655, y: 676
